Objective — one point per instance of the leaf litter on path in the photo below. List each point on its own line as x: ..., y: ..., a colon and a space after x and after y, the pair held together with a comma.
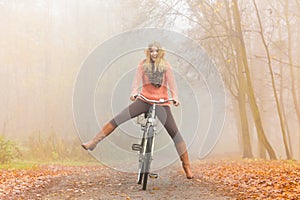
x: 252, y: 179
x: 15, y: 182
x: 236, y: 179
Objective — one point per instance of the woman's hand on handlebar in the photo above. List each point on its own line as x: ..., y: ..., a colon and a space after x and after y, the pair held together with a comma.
x: 133, y: 97
x: 176, y: 103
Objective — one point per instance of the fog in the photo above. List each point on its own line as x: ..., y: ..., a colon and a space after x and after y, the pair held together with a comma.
x: 45, y: 43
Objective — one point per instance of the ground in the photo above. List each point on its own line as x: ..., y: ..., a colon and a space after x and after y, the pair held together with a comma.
x: 214, y: 179
x: 105, y: 183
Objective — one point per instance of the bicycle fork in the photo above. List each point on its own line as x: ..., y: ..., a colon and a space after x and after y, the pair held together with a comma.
x: 151, y: 138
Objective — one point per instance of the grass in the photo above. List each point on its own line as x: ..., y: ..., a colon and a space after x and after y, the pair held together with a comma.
x: 19, y: 165
x: 33, y: 164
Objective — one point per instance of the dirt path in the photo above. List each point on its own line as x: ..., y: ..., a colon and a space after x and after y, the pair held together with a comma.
x: 215, y: 179
x: 106, y: 183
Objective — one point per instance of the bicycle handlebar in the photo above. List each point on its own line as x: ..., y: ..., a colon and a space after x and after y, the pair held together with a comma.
x: 160, y: 101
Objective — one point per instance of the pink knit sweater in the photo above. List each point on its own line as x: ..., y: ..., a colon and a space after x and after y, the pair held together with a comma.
x: 152, y: 92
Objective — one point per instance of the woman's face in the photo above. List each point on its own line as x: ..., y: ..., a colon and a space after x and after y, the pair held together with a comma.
x: 153, y: 53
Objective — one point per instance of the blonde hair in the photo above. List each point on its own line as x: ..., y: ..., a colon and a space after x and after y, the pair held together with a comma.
x: 160, y: 62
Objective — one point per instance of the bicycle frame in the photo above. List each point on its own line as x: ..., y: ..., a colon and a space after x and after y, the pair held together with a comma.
x: 146, y: 148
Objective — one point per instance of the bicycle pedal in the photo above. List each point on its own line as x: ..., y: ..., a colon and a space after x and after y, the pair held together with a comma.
x: 152, y: 175
x: 136, y: 147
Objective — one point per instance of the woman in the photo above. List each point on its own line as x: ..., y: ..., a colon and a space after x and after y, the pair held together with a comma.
x: 156, y: 76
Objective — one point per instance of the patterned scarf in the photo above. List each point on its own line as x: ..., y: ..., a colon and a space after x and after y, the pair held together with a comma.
x: 155, y: 77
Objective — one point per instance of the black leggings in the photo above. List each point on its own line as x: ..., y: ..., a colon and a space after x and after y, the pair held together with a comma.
x: 163, y: 113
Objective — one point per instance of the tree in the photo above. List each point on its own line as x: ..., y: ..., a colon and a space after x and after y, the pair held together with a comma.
x: 250, y: 92
x: 288, y: 154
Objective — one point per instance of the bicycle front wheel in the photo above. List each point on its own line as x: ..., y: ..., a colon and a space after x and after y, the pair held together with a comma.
x: 148, y: 157
x: 141, y: 162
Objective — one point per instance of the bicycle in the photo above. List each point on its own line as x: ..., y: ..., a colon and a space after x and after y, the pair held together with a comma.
x: 146, y: 146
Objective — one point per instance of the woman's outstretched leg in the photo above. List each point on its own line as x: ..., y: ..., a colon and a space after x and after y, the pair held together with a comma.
x: 136, y: 108
x: 105, y: 131
x: 166, y: 118
x: 184, y: 157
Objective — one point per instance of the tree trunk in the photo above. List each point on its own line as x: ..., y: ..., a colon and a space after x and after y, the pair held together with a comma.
x: 245, y: 135
x: 281, y: 119
x: 292, y: 71
x: 261, y: 150
x: 247, y: 149
x: 281, y: 97
x: 253, y: 105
